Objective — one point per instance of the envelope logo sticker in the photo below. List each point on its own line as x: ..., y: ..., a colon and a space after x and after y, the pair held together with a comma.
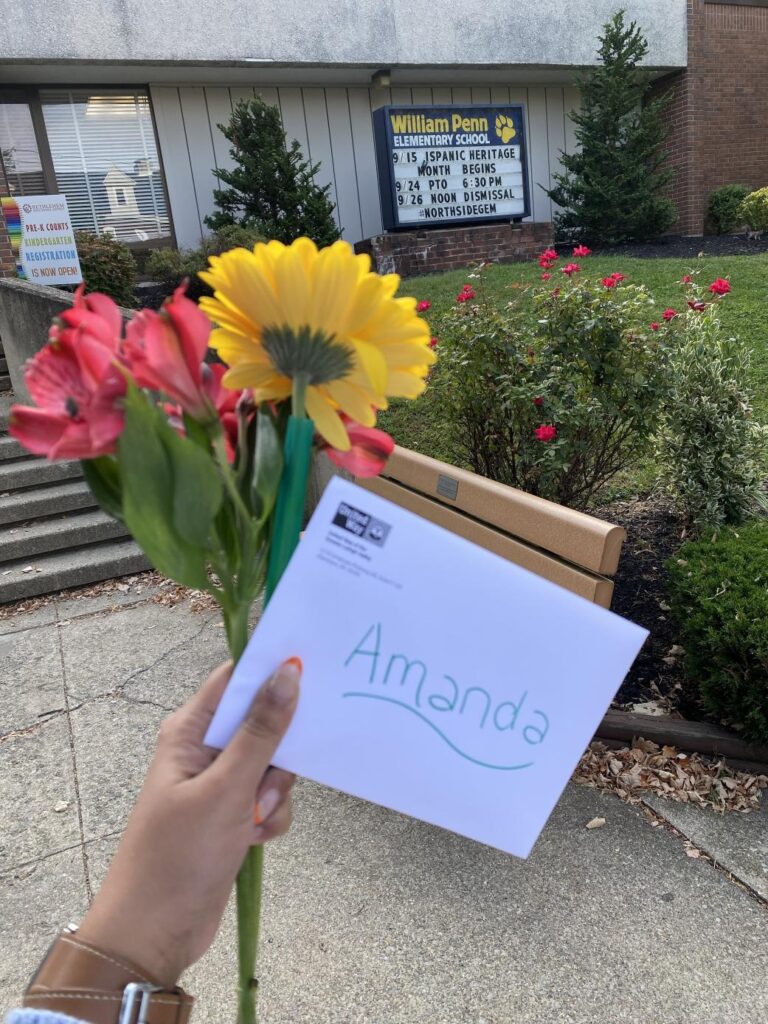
x: 475, y: 725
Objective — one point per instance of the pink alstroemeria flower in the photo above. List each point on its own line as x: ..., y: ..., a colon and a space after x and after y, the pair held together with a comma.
x: 76, y: 385
x: 166, y: 350
x: 368, y: 453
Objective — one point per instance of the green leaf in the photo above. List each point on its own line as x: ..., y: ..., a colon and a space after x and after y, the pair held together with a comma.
x: 267, y: 465
x: 148, y: 494
x: 103, y: 477
x: 197, y: 488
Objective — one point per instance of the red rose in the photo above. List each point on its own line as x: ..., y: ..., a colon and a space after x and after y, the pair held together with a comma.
x: 698, y: 305
x: 423, y: 306
x: 720, y: 286
x: 545, y: 432
x: 570, y: 268
x: 546, y: 264
x: 545, y: 276
x: 655, y: 325
x: 433, y: 343
x: 582, y: 250
x: 669, y: 314
x: 618, y: 277
x: 549, y: 254
x: 609, y: 282
x: 686, y: 279
x: 538, y: 401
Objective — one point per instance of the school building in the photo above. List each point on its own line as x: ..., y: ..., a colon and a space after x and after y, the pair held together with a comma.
x: 115, y: 103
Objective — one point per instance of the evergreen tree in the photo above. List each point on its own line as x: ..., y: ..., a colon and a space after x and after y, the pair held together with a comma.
x: 612, y: 186
x: 272, y: 188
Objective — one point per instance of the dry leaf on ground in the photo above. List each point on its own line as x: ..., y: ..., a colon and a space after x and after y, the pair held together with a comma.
x: 633, y: 772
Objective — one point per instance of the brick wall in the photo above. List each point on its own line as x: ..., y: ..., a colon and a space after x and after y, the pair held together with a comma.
x: 409, y: 253
x: 7, y: 262
x: 719, y: 111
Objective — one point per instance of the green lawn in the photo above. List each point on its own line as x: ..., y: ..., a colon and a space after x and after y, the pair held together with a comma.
x: 419, y: 424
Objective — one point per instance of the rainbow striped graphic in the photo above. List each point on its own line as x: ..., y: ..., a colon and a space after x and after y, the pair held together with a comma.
x: 12, y: 216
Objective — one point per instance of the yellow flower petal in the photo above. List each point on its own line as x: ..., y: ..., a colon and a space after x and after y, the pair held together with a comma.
x: 235, y: 348
x: 352, y: 401
x: 252, y: 375
x: 328, y: 422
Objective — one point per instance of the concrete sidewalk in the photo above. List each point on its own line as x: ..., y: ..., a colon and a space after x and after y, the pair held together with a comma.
x: 370, y: 917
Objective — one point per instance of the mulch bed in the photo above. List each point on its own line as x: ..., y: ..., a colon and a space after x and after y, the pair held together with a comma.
x: 685, y: 247
x: 654, y: 533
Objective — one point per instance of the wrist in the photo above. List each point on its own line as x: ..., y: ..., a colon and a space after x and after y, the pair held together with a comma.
x: 119, y: 934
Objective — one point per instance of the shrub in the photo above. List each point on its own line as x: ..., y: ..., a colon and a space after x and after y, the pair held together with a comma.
x: 171, y: 266
x: 724, y: 206
x: 272, y: 187
x: 754, y: 210
x: 710, y: 450
x: 719, y: 598
x: 108, y: 266
x: 556, y: 393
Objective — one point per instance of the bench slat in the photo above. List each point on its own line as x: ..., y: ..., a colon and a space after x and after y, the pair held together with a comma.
x: 593, y: 588
x: 579, y: 538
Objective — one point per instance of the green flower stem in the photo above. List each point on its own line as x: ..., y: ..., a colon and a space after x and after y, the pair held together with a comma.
x: 288, y: 521
x: 299, y: 395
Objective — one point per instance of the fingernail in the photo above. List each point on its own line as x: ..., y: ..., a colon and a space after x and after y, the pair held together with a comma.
x: 265, y: 806
x: 284, y: 685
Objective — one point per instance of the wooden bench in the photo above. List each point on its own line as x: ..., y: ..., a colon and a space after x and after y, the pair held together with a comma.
x: 569, y: 548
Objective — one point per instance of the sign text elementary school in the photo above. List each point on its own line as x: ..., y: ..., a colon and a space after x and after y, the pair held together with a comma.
x: 448, y: 165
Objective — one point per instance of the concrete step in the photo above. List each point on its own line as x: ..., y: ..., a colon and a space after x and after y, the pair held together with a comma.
x: 10, y: 448
x: 5, y: 405
x: 45, y: 501
x: 35, y: 472
x: 3, y: 364
x: 5, y: 382
x: 63, y: 569
x: 41, y: 536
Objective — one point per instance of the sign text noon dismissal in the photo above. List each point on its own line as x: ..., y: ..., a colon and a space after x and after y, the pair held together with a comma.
x: 443, y: 165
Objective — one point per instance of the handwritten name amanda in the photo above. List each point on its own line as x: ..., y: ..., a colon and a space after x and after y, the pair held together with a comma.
x: 409, y: 686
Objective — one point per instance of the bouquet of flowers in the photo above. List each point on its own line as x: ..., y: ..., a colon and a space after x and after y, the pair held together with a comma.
x: 207, y: 463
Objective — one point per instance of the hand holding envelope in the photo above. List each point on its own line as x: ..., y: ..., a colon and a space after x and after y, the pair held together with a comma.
x: 440, y: 680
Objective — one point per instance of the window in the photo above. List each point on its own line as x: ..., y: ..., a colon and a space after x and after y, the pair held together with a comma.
x: 19, y: 154
x: 106, y: 163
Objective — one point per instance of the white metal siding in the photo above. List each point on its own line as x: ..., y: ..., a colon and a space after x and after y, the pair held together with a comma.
x: 334, y: 128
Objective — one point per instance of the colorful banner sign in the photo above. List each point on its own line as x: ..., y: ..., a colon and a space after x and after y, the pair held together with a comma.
x: 42, y: 239
x: 448, y: 165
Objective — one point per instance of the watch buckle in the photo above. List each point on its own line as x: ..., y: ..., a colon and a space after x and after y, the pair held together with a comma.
x: 135, y: 1005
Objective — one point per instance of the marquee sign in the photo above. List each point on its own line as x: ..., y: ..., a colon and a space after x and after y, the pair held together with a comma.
x: 451, y: 165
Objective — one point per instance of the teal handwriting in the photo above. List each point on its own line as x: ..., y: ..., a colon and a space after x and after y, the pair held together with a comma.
x: 408, y: 685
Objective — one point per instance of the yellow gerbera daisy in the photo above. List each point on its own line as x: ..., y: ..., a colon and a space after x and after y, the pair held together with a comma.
x: 293, y: 313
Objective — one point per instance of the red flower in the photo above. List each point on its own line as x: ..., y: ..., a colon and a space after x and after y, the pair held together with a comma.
x: 617, y: 276
x: 433, y: 343
x: 165, y: 351
x: 76, y: 385
x: 698, y: 305
x: 545, y: 432
x: 570, y: 268
x: 368, y: 453
x: 609, y: 282
x: 538, y: 401
x: 546, y: 264
x: 549, y: 254
x: 582, y: 250
x: 669, y: 314
x: 423, y: 306
x: 466, y: 293
x: 545, y: 276
x: 686, y: 279
x: 720, y: 286
x: 655, y: 325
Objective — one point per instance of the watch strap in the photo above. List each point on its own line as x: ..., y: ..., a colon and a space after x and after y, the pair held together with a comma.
x: 83, y: 982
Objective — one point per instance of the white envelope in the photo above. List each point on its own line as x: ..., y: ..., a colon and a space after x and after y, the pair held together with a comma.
x: 439, y: 679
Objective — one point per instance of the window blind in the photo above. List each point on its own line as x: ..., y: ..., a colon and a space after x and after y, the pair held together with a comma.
x: 106, y: 162
x: 18, y: 151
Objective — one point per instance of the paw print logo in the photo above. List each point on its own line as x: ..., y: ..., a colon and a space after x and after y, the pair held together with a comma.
x: 505, y: 129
